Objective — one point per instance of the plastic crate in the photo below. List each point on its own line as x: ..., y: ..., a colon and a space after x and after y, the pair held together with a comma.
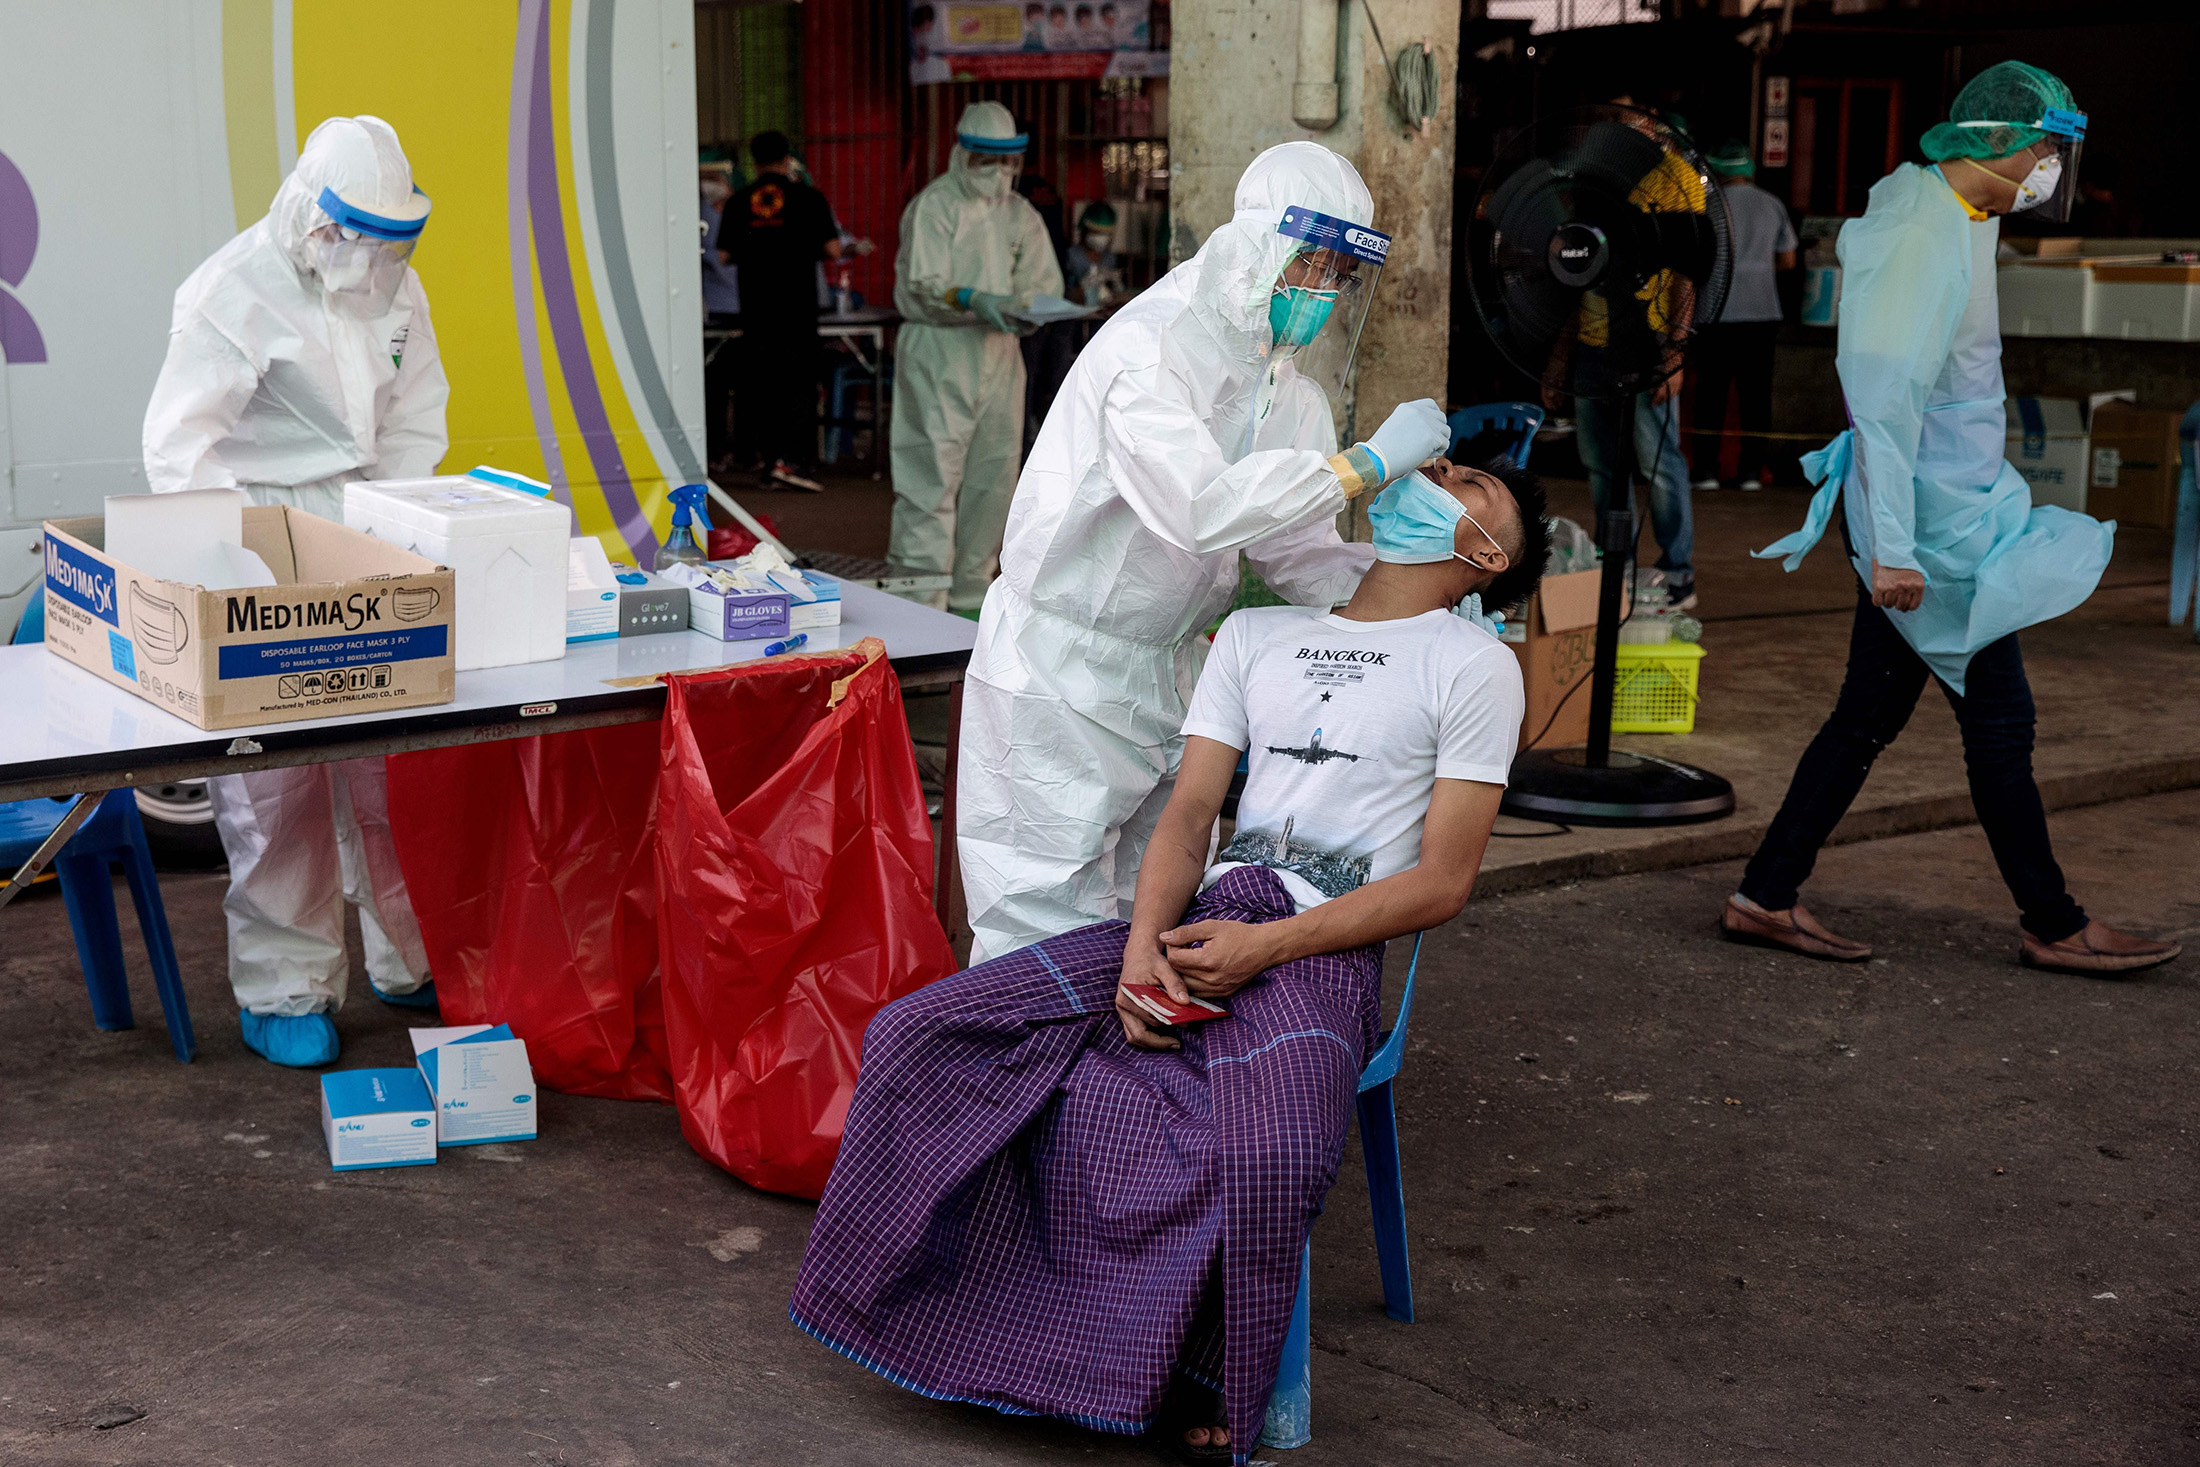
x: 1655, y: 688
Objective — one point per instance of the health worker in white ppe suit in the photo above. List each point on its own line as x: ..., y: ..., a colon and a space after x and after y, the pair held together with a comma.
x: 1198, y: 424
x: 300, y: 358
x: 973, y: 253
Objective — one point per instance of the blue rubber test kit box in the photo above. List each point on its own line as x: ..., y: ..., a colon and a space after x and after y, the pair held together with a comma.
x: 373, y: 1118
x: 479, y: 1081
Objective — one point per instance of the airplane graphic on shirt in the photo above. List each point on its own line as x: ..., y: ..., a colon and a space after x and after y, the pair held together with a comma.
x: 1314, y: 753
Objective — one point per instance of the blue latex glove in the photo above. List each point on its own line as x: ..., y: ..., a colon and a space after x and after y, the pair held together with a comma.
x: 1414, y: 433
x: 991, y: 309
x: 302, y: 1041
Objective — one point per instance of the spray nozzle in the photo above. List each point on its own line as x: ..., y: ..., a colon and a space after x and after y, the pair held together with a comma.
x: 687, y: 503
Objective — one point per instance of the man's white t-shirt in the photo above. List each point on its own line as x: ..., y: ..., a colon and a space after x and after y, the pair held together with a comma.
x: 1347, y: 726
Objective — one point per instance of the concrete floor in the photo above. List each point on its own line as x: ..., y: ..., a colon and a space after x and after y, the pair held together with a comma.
x: 1672, y: 1201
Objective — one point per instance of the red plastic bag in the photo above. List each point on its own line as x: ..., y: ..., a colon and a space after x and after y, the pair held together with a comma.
x: 532, y: 870
x: 731, y: 542
x: 794, y: 862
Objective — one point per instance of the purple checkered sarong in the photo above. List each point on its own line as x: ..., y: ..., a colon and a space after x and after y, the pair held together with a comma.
x: 1030, y: 1213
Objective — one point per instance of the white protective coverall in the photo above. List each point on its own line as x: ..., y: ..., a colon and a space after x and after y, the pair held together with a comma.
x: 1175, y: 444
x: 1922, y: 474
x: 958, y: 383
x: 272, y: 388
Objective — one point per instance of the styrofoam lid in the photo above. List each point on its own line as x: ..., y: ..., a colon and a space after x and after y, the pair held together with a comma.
x: 458, y: 498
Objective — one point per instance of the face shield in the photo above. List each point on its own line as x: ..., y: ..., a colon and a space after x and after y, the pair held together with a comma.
x: 361, y: 257
x: 1319, y: 301
x: 992, y: 164
x: 2050, y: 190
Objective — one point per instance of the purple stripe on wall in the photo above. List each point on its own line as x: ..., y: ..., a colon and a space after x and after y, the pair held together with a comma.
x: 546, y: 212
x: 532, y: 19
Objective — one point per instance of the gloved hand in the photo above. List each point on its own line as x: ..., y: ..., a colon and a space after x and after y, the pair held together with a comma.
x: 1414, y: 433
x: 992, y: 309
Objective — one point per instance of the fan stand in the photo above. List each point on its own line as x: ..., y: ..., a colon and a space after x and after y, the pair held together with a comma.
x: 1595, y: 785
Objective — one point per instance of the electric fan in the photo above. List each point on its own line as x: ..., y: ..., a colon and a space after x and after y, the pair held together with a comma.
x: 1599, y: 246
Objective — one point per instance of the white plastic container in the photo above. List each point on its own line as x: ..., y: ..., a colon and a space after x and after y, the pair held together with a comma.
x: 2057, y: 298
x: 508, y: 551
x: 2147, y: 302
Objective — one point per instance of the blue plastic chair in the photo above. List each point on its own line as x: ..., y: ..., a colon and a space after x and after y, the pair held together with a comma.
x: 113, y: 833
x: 1523, y: 418
x: 1291, y: 1403
x: 840, y: 419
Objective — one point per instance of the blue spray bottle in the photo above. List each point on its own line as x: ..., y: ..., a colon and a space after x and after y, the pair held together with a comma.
x: 690, y: 524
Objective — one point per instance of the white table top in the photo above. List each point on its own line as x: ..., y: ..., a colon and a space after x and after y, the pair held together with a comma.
x: 56, y: 719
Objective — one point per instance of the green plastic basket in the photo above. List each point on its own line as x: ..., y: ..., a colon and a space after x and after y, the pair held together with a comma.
x: 1655, y: 689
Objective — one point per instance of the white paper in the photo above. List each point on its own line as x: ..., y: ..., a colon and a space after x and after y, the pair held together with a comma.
x: 1046, y: 309
x: 195, y: 538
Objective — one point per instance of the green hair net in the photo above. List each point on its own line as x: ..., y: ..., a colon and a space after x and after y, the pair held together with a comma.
x: 2010, y: 93
x: 1732, y: 160
x: 1097, y: 216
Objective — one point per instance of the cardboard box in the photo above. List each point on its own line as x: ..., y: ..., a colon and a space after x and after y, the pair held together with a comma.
x: 650, y: 606
x: 744, y: 617
x: 2135, y: 465
x: 351, y: 624
x: 508, y: 551
x: 1556, y: 658
x: 374, y: 1118
x: 2053, y: 297
x: 591, y: 591
x: 2047, y: 444
x: 810, y: 616
x: 482, y: 1086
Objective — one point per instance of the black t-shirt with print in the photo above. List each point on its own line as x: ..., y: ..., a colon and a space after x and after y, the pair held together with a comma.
x: 774, y: 232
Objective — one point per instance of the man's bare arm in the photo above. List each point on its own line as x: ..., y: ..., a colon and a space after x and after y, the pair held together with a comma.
x: 1168, y: 877
x: 1460, y: 815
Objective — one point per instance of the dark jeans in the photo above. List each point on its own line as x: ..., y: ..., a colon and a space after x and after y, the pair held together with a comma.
x: 1736, y: 353
x: 778, y: 370
x: 1619, y: 435
x: 1884, y: 680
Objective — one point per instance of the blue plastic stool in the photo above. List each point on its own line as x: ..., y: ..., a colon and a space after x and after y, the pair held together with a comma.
x: 114, y: 833
x: 840, y: 422
x: 1291, y: 1403
x: 1523, y: 418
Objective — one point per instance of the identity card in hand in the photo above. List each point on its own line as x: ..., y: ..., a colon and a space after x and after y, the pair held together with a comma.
x: 1166, y: 1010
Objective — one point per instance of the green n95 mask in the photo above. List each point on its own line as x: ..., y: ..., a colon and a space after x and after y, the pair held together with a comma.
x: 1296, y: 315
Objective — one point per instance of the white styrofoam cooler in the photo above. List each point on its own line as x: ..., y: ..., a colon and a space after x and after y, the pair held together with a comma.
x: 2148, y: 302
x: 2058, y: 298
x: 507, y: 549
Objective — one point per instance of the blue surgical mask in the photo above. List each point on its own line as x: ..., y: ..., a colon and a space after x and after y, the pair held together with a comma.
x: 1296, y: 315
x: 1415, y: 523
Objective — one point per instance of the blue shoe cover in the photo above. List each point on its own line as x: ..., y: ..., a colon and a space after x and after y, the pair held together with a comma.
x: 422, y: 997
x: 302, y: 1041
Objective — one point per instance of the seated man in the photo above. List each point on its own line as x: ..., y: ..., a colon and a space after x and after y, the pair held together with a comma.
x: 1048, y: 1202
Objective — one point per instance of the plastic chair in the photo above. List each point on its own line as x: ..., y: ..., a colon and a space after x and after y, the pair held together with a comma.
x: 1523, y: 418
x: 840, y: 421
x: 113, y: 833
x: 1291, y: 1403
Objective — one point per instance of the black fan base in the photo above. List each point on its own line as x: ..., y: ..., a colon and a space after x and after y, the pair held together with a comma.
x: 1633, y: 790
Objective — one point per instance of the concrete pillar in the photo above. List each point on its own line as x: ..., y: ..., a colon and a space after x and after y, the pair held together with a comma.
x: 1234, y: 78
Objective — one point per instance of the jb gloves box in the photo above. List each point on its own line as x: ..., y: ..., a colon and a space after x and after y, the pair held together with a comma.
x: 350, y: 624
x: 374, y: 1118
x: 482, y: 1085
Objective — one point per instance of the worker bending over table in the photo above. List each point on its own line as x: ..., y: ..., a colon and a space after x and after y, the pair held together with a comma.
x: 1197, y: 425
x: 300, y: 359
x: 1952, y: 557
x: 1049, y: 1203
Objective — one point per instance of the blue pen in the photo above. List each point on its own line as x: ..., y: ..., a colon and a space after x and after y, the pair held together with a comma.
x: 797, y: 640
